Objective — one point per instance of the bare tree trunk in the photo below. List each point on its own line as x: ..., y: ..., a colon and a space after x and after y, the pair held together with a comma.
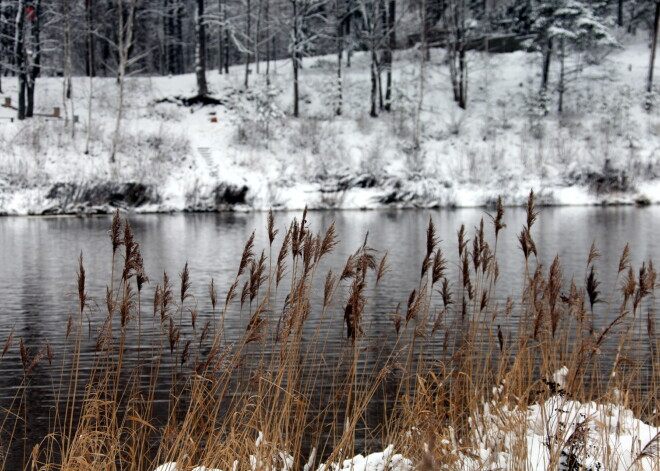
x: 90, y: 74
x: 221, y: 27
x: 295, y: 59
x: 248, y: 36
x: 68, y: 67
x: 200, y: 51
x: 420, y: 98
x: 649, y: 85
x: 257, y: 35
x: 124, y: 43
x: 373, y: 112
x: 90, y: 67
x: 547, y: 57
x: 561, y: 88
x: 224, y: 22
x: 339, y: 15
x: 2, y: 32
x: 349, y: 49
x: 463, y: 78
x: 35, y: 63
x: 89, y: 115
x: 19, y: 54
x: 180, y: 66
x: 458, y: 68
x: 268, y: 51
x: 619, y: 15
x: 391, y: 45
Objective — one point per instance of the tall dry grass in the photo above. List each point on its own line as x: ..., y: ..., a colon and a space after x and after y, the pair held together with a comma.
x: 276, y: 397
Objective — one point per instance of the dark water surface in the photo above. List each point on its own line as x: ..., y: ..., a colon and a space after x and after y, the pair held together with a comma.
x: 38, y: 264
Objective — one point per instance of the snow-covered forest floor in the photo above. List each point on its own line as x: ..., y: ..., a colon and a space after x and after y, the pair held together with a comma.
x: 604, y: 147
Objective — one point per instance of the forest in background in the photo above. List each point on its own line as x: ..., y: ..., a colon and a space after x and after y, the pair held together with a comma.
x: 116, y: 38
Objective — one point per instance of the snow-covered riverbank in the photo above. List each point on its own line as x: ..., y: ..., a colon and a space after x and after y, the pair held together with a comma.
x: 250, y: 153
x: 559, y: 434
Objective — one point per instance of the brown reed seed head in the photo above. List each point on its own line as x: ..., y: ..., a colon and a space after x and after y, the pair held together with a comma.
x: 594, y: 254
x: 185, y: 352
x: 431, y: 238
x: 8, y: 342
x: 115, y: 232
x: 281, y: 258
x: 213, y: 294
x: 527, y: 243
x: 303, y: 224
x: 411, y: 311
x: 624, y: 261
x: 185, y: 283
x: 258, y: 275
x: 462, y: 243
x: 426, y: 264
x: 349, y: 269
x: 193, y: 316
x: 330, y: 240
x: 166, y: 297
x: 646, y: 283
x: 445, y: 292
x: 629, y: 285
x: 232, y: 292
x: 439, y: 267
x: 476, y: 252
x: 499, y: 217
x: 140, y: 277
x: 82, y: 296
x: 531, y: 211
x: 328, y: 288
x: 272, y: 232
x: 396, y: 318
x: 129, y: 247
x: 125, y: 306
x: 592, y: 287
x: 69, y: 326
x: 204, y: 333
x: 553, y: 290
x: 173, y: 335
x: 383, y: 268
x: 245, y: 292
x: 248, y: 255
x: 295, y: 238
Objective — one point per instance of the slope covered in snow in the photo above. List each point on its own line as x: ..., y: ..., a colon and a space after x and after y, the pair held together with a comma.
x: 249, y: 152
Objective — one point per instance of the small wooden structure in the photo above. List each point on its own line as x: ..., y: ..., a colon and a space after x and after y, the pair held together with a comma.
x: 54, y: 114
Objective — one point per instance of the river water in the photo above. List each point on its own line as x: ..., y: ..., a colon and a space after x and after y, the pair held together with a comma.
x: 39, y: 258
